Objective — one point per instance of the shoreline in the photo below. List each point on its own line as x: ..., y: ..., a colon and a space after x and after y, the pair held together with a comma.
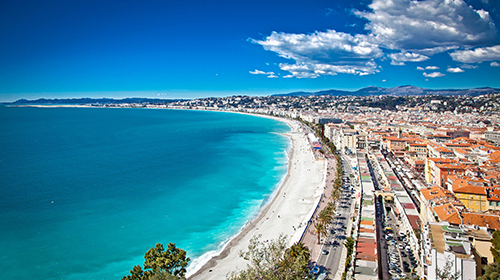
x: 294, y: 199
x: 286, y: 211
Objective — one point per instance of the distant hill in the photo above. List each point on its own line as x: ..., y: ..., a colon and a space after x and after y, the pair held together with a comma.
x: 86, y: 101
x: 397, y: 91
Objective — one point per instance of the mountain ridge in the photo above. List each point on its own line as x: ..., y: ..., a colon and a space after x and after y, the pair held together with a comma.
x: 405, y: 90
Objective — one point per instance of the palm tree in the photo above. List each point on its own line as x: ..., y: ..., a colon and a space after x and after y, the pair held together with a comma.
x: 325, y: 217
x: 298, y: 250
x: 331, y: 205
x: 320, y: 230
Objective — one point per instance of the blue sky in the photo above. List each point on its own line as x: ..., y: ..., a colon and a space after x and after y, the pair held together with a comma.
x: 189, y: 49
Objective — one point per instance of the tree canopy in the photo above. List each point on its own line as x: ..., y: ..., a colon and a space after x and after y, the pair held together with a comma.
x: 161, y: 264
x: 495, y: 248
x: 271, y: 260
x: 491, y: 272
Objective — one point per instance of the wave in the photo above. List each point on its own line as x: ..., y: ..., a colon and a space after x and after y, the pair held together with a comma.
x: 199, y: 262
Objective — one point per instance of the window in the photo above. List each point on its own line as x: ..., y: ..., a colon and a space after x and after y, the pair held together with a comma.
x: 491, y: 203
x: 498, y: 203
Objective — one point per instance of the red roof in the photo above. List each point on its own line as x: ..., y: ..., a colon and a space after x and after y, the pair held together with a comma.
x: 408, y: 205
x: 414, y: 221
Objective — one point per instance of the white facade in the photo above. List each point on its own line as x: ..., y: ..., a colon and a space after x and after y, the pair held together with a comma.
x: 438, y: 240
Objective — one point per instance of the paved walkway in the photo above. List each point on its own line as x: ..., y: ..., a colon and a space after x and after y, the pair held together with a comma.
x: 310, y: 238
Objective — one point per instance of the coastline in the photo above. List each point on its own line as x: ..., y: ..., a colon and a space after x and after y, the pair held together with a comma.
x: 287, y: 212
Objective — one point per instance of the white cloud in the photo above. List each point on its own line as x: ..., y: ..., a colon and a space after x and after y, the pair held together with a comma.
x: 433, y: 75
x: 429, y: 26
x: 384, y: 81
x: 420, y: 68
x: 431, y: 68
x: 310, y: 70
x: 468, y: 66
x: 324, y: 53
x: 258, y: 72
x: 407, y: 30
x: 455, y: 70
x: 477, y: 55
x: 402, y: 57
x: 272, y: 76
x: 494, y: 64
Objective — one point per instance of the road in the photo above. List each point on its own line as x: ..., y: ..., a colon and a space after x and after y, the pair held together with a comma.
x: 333, y: 243
x: 392, y: 248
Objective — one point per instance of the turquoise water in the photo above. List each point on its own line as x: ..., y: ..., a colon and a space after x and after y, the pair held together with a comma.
x: 87, y: 191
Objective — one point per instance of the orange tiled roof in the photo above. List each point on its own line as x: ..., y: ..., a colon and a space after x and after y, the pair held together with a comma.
x: 463, y: 186
x: 494, y: 195
x: 418, y: 145
x: 447, y: 212
x: 432, y: 193
x: 482, y: 220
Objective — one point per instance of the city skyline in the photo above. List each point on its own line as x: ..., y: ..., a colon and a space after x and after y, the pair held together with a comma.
x: 162, y: 49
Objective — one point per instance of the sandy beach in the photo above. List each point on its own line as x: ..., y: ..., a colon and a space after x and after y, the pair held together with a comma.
x: 287, y: 213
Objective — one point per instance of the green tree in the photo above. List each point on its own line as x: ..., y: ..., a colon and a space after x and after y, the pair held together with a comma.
x: 326, y: 215
x: 173, y: 260
x: 492, y: 272
x: 273, y: 261
x: 297, y: 258
x: 320, y: 230
x: 159, y: 262
x: 495, y: 248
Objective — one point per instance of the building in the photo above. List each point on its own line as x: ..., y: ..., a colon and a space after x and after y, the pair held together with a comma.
x: 420, y: 150
x: 458, y: 133
x: 493, y: 199
x: 470, y: 193
x: 492, y: 136
x: 447, y: 248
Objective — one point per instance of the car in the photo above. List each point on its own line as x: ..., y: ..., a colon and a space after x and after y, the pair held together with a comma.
x: 315, y: 270
x: 406, y: 269
x: 403, y: 254
x: 325, y: 252
x: 405, y: 263
x: 400, y: 246
x: 323, y: 276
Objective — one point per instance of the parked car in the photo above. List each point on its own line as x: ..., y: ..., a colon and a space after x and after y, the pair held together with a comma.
x: 315, y: 270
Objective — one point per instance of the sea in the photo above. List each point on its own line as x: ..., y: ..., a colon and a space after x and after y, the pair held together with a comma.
x: 85, y: 192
